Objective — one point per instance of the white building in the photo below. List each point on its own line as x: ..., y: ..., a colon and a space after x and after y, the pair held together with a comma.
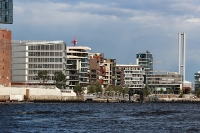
x: 30, y: 57
x: 131, y: 75
x: 77, y: 65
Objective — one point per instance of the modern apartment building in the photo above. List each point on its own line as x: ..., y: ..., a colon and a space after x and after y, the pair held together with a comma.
x: 77, y: 66
x: 5, y: 57
x: 30, y: 57
x: 6, y: 9
x: 197, y: 80
x: 110, y: 77
x: 166, y: 81
x: 97, y: 69
x: 145, y: 60
x: 130, y: 76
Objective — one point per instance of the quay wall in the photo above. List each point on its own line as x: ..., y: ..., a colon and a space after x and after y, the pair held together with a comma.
x: 31, y: 94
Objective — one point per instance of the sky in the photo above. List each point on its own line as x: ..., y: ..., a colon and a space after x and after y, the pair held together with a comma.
x: 118, y: 28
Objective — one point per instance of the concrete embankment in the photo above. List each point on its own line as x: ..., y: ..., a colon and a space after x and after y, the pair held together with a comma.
x: 178, y: 100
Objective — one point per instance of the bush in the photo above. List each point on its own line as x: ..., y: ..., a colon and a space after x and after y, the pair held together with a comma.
x: 198, y: 93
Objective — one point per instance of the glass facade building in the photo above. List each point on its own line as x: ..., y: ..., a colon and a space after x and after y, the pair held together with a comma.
x: 197, y: 81
x: 145, y: 60
x: 6, y: 11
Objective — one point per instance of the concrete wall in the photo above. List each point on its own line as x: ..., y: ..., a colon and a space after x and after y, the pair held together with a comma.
x: 7, y: 93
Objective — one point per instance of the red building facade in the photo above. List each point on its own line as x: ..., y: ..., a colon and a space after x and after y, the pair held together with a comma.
x: 5, y: 57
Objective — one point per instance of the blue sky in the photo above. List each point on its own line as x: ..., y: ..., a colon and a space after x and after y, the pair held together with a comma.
x: 118, y: 28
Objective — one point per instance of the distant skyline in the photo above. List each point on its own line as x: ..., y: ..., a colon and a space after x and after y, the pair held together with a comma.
x: 118, y: 28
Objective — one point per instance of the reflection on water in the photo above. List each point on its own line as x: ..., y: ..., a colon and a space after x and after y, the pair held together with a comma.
x: 100, y: 117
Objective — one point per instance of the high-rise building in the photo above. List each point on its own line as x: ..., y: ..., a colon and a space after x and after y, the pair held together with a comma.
x: 197, y: 81
x: 6, y: 11
x: 145, y: 60
x: 181, y: 51
x: 5, y: 57
x: 30, y: 57
x: 77, y: 66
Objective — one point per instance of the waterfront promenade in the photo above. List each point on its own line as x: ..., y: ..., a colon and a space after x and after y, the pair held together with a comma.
x: 53, y: 94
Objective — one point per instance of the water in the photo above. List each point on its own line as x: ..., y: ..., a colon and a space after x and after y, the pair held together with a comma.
x: 100, y: 117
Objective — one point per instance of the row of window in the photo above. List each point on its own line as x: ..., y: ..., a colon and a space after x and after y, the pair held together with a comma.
x: 45, y: 66
x: 35, y: 60
x: 35, y: 72
x: 45, y: 54
x: 130, y: 79
x: 36, y: 79
x: 46, y: 47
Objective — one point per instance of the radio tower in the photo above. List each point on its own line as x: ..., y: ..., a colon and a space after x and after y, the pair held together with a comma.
x: 74, y: 41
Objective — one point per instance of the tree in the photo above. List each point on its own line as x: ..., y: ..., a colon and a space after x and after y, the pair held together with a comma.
x: 161, y: 91
x: 98, y: 87
x: 126, y: 90
x: 60, y: 79
x: 171, y: 91
x: 198, y: 93
x: 43, y: 76
x: 91, y: 89
x: 78, y: 88
x: 145, y: 91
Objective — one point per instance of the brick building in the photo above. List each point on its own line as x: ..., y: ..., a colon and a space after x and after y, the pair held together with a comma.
x: 97, y: 69
x: 5, y: 57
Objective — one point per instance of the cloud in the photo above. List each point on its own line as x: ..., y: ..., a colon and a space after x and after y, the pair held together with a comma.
x: 119, y: 29
x: 193, y: 20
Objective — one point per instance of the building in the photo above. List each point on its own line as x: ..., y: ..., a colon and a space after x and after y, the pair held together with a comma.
x: 130, y: 76
x: 197, y: 81
x: 97, y: 69
x: 110, y: 76
x: 30, y: 57
x: 77, y: 66
x: 165, y: 82
x: 145, y: 60
x: 6, y: 9
x: 5, y: 57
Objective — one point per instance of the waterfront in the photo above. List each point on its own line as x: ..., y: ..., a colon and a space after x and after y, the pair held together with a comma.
x: 100, y: 117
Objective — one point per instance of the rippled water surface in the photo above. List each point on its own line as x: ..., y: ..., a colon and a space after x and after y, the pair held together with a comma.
x: 100, y: 117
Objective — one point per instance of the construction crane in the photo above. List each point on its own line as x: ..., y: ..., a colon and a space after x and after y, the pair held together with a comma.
x: 74, y: 41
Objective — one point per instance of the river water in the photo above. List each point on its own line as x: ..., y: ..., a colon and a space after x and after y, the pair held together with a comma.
x: 100, y: 117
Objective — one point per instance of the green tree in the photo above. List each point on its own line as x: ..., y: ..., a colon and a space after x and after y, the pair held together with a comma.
x: 92, y: 89
x: 171, y: 91
x: 161, y: 91
x: 78, y: 88
x: 43, y: 76
x: 145, y: 91
x: 198, y: 93
x: 126, y: 90
x: 60, y: 79
x: 98, y: 87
